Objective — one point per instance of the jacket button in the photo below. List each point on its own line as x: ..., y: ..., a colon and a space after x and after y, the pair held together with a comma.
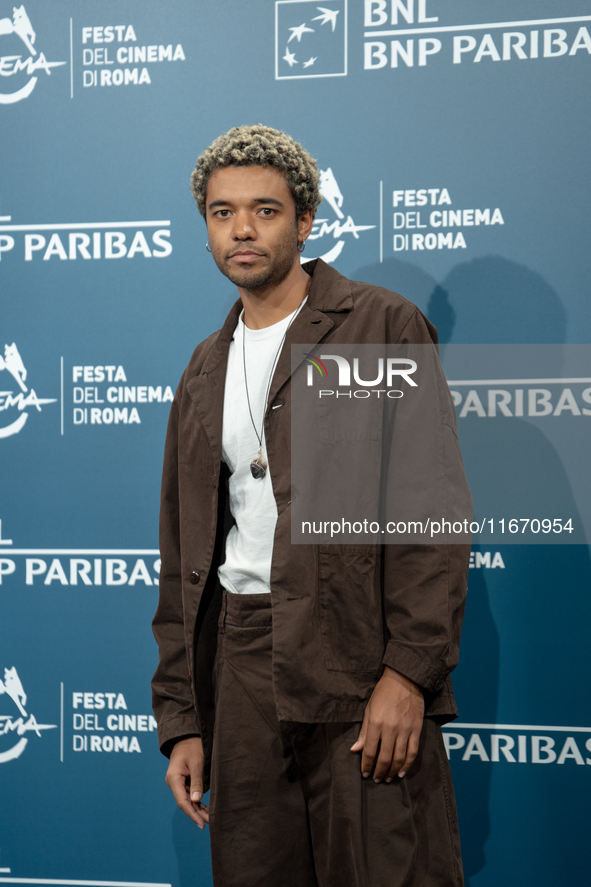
x: 194, y: 577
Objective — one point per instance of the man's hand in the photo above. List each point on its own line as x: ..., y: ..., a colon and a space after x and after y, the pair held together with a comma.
x: 184, y: 778
x: 393, y: 720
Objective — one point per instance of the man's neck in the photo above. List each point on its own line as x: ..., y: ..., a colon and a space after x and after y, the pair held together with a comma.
x: 263, y: 308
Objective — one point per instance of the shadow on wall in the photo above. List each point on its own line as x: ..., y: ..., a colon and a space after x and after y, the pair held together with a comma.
x: 485, y: 300
x: 493, y: 300
x: 496, y: 300
x: 403, y: 277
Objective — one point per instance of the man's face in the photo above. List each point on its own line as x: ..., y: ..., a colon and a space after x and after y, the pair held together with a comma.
x: 252, y: 226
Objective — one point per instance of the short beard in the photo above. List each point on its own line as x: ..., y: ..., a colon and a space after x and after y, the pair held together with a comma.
x: 277, y: 269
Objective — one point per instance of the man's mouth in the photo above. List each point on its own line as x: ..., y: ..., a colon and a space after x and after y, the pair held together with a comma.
x: 246, y: 256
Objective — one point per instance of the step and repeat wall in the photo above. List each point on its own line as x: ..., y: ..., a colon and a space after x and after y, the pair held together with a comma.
x: 453, y: 139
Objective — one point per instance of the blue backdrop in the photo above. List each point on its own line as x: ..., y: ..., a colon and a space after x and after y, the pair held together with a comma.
x: 453, y: 136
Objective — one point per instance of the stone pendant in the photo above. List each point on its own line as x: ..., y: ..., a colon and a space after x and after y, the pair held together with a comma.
x: 258, y: 466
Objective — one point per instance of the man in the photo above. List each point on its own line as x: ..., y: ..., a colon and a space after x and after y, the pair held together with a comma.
x: 309, y: 681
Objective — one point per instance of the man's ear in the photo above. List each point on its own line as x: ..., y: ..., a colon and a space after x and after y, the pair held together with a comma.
x: 305, y: 222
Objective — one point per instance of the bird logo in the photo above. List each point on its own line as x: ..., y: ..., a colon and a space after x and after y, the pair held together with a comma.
x: 296, y: 33
x: 327, y: 15
x: 308, y: 44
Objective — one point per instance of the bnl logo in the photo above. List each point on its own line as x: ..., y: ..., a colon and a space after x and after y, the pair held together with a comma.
x: 310, y: 39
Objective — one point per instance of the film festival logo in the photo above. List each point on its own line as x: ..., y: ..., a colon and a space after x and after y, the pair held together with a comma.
x: 25, y: 399
x: 15, y: 726
x: 14, y: 65
x: 337, y: 227
x: 310, y: 39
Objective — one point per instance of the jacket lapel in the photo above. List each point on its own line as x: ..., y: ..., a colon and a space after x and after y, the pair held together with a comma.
x: 207, y: 388
x: 329, y: 292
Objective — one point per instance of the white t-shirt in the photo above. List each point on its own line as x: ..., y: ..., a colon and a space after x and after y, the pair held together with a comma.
x: 249, y: 545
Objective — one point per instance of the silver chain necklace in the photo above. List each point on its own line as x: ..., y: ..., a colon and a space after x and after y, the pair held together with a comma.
x: 259, y: 465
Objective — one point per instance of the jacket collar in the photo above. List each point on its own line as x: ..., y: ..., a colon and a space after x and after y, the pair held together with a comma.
x: 330, y: 291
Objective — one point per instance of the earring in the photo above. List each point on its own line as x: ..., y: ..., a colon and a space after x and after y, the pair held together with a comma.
x: 207, y: 247
x: 301, y: 246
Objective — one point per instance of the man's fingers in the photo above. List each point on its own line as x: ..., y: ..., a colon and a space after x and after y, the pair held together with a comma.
x: 194, y: 812
x: 177, y: 785
x: 399, y: 756
x: 184, y: 778
x: 202, y: 810
x: 412, y: 749
x: 197, y: 812
x: 405, y: 752
x: 384, y: 760
x: 370, y: 748
x: 195, y: 792
x: 181, y: 796
x: 392, y: 716
x: 196, y: 789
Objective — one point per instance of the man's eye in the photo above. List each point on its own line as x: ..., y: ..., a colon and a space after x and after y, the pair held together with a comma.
x: 223, y: 213
x: 267, y: 211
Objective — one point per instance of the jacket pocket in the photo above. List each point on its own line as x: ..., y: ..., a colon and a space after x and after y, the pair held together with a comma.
x: 350, y: 607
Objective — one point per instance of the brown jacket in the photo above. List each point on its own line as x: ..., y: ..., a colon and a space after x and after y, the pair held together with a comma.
x: 404, y: 603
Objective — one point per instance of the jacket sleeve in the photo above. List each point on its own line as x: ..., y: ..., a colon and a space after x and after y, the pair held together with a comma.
x: 424, y: 597
x: 425, y: 584
x: 172, y: 695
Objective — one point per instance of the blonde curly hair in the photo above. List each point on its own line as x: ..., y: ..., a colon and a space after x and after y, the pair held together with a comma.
x: 260, y: 145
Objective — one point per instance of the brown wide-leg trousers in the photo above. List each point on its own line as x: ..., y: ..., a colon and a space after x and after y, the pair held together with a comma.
x: 289, y: 807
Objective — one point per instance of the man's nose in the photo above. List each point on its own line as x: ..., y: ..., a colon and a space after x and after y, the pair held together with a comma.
x: 243, y: 228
